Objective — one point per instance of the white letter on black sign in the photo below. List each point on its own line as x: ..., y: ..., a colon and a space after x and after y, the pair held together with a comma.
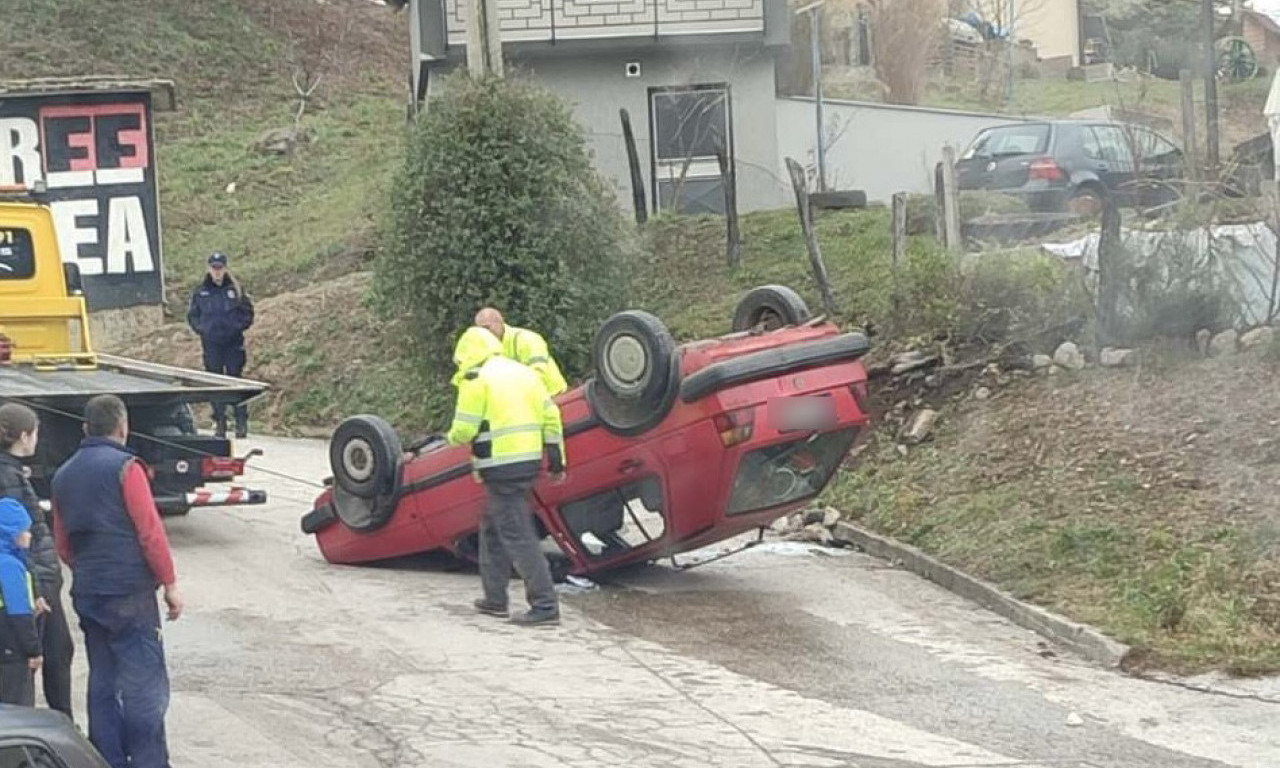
x: 19, y: 151
x: 127, y: 237
x: 71, y: 236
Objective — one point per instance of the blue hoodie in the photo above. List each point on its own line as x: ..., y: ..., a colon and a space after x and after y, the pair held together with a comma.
x: 19, y: 636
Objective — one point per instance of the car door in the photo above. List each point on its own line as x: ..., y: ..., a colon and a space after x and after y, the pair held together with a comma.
x: 1107, y: 156
x: 613, y: 508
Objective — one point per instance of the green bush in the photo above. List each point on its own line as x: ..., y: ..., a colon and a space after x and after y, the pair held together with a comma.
x: 921, y: 209
x: 497, y: 204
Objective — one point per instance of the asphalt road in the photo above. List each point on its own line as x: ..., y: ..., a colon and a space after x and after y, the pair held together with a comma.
x: 784, y: 656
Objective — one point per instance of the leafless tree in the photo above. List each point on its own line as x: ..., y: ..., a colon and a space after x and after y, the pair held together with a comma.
x: 904, y: 35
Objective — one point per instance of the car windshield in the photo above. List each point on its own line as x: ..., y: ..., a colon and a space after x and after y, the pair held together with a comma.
x: 788, y: 472
x: 1008, y: 140
x: 17, y: 258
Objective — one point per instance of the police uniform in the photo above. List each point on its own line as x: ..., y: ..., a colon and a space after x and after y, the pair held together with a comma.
x: 505, y: 413
x: 220, y: 313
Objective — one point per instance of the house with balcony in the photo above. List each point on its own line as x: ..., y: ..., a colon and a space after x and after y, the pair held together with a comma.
x: 694, y: 76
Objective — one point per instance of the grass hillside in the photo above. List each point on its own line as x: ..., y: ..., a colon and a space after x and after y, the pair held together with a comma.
x: 288, y: 220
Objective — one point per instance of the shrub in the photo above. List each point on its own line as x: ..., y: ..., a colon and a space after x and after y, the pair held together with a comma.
x: 497, y: 204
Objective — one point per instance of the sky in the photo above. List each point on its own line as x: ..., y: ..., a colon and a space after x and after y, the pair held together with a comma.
x: 1270, y: 7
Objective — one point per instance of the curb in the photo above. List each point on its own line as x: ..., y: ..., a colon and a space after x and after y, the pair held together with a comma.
x: 1080, y: 639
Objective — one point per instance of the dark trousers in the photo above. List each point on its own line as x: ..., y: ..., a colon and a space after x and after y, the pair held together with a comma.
x: 507, y: 537
x: 55, y: 637
x: 128, y: 681
x: 227, y: 359
x: 17, y: 682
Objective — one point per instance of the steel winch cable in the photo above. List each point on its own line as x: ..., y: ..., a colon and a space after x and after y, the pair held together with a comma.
x: 38, y: 406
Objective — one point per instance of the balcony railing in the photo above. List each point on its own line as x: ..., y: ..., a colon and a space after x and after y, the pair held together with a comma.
x: 563, y: 20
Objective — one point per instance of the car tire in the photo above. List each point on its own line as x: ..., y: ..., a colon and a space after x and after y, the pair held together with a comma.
x: 365, y: 456
x: 773, y: 306
x: 637, y: 373
x: 1087, y: 201
x: 363, y: 514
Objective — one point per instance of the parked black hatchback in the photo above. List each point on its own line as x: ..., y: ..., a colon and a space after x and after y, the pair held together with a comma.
x: 1065, y: 165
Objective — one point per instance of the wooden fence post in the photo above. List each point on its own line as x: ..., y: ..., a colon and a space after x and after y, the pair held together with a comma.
x: 950, y: 199
x: 899, y: 254
x: 811, y: 236
x: 633, y: 160
x: 729, y: 181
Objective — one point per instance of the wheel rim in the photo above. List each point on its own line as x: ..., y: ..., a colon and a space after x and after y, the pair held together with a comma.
x: 627, y: 364
x: 768, y: 318
x: 357, y: 459
x: 1085, y: 205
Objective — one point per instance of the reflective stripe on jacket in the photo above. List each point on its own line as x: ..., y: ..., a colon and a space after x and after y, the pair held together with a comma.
x: 503, y: 410
x: 526, y: 346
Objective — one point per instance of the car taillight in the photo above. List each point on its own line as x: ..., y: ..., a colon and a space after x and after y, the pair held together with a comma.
x: 859, y: 391
x: 215, y: 468
x: 1047, y: 168
x: 735, y: 427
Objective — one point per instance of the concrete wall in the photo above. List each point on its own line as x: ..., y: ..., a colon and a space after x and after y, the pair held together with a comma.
x: 542, y: 20
x: 1052, y: 25
x: 881, y: 149
x: 597, y: 86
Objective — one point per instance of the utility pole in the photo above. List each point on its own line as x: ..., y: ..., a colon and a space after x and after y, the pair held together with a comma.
x: 484, y: 38
x: 1010, y: 52
x: 815, y: 44
x: 1210, y: 90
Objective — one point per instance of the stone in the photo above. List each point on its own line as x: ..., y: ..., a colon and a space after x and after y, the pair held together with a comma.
x: 902, y: 450
x: 831, y: 517
x: 814, y: 516
x: 1203, y: 337
x: 1075, y: 720
x: 1112, y: 357
x: 281, y: 141
x: 1069, y: 356
x: 1224, y: 344
x: 817, y: 533
x: 1258, y: 338
x: 920, y: 427
x: 1040, y: 362
x: 911, y: 361
x: 982, y: 393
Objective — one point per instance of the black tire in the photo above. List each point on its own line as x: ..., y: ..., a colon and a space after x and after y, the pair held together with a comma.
x: 637, y: 373
x: 1088, y: 200
x: 364, y: 513
x: 365, y: 456
x: 773, y: 306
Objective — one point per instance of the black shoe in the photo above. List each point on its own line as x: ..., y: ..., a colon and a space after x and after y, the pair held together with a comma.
x: 537, y: 618
x: 491, y: 609
x: 242, y: 432
x: 220, y: 432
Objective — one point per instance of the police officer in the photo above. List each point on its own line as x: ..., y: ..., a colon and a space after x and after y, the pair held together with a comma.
x: 220, y: 313
x: 525, y: 346
x: 504, y: 411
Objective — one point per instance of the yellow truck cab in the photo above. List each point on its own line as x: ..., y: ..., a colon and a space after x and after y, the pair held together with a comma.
x: 43, y: 318
x: 48, y: 362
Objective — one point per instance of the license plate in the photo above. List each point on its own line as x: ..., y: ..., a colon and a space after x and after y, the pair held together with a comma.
x: 802, y: 414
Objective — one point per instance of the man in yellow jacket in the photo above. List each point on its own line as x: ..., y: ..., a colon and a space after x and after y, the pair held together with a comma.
x: 506, y: 415
x: 525, y: 346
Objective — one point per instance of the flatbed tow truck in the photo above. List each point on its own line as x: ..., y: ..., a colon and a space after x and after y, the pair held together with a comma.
x: 48, y: 362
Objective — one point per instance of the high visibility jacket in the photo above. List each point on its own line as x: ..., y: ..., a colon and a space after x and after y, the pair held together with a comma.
x: 526, y: 346
x: 504, y: 411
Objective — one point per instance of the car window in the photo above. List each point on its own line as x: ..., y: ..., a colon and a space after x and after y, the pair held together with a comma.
x: 788, y: 472
x: 16, y: 756
x: 617, y: 520
x: 1008, y: 140
x: 1107, y: 143
x: 1153, y: 146
x: 17, y: 257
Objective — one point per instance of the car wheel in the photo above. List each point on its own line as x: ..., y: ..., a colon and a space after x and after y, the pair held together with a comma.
x: 773, y: 306
x: 363, y: 513
x: 365, y: 456
x: 1086, y: 201
x: 637, y: 369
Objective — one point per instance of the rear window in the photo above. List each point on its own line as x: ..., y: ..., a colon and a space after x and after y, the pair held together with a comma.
x: 17, y: 257
x: 789, y: 472
x: 1008, y: 140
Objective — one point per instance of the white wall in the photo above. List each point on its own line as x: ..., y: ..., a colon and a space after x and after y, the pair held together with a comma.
x: 879, y: 148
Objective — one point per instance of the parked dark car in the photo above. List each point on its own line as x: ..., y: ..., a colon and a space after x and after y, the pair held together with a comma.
x: 42, y: 738
x: 1066, y: 165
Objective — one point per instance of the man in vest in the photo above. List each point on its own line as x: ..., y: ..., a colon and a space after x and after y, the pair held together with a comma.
x: 108, y: 530
x: 525, y: 346
x: 504, y: 411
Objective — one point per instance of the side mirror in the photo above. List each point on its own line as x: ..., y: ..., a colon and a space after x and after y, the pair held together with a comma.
x: 75, y: 286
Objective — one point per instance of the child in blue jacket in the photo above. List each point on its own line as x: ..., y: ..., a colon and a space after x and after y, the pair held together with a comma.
x: 20, y: 651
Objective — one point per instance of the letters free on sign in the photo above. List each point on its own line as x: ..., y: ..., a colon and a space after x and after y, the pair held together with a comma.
x: 95, y: 153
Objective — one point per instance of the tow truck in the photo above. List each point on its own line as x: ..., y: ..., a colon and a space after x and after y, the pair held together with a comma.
x: 48, y: 362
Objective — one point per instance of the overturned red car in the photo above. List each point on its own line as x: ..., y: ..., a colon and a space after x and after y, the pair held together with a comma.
x: 670, y: 447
